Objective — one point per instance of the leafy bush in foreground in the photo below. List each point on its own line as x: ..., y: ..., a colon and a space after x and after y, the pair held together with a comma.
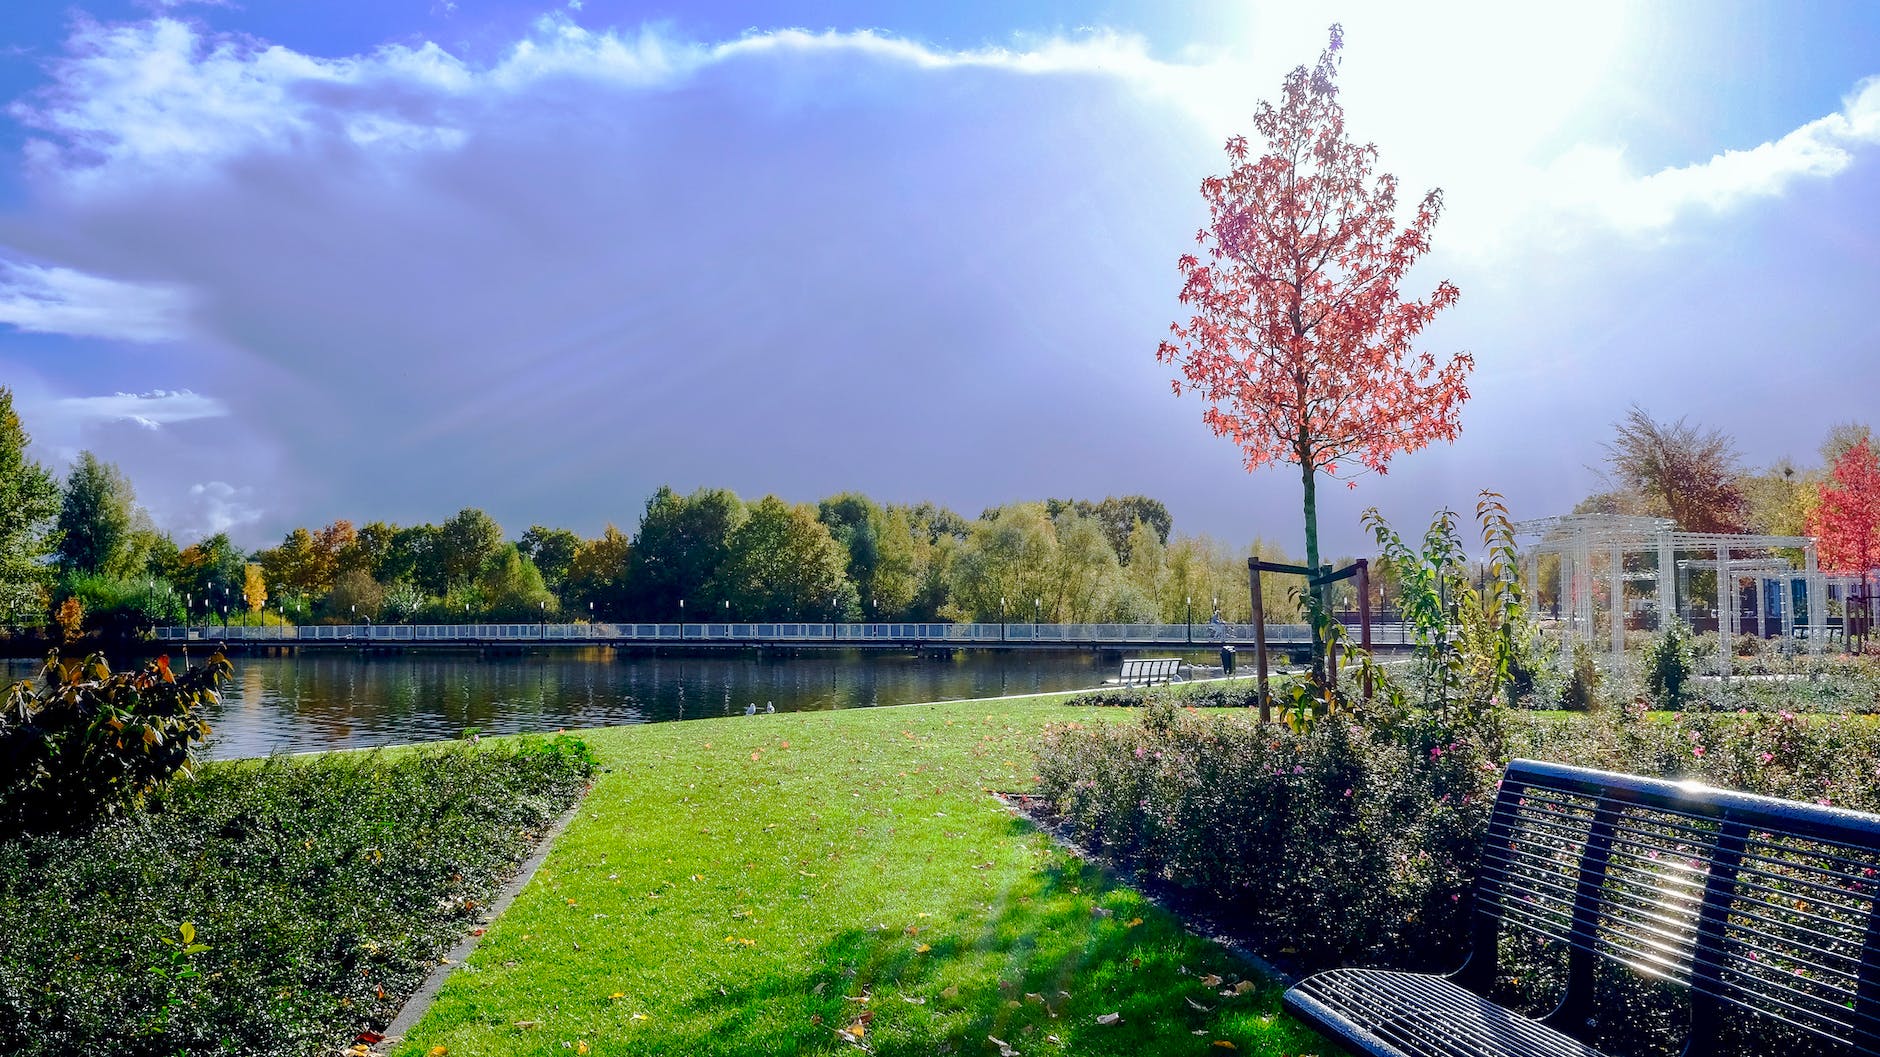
x: 90, y: 741
x: 272, y: 907
x: 1347, y: 844
x: 1358, y: 844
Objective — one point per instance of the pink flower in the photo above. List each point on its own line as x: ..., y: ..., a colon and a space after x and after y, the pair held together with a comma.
x: 1767, y: 758
x: 1698, y: 751
x: 1347, y: 792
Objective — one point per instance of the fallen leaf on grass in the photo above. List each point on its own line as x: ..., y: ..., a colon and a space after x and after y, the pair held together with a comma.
x: 1192, y: 1004
x: 581, y: 1046
x: 1005, y: 1048
x: 617, y: 996
x: 922, y: 948
x: 1103, y: 912
x: 636, y: 1018
x: 1225, y: 1045
x: 1132, y: 923
x: 1109, y: 1019
x: 1243, y: 987
x: 438, y: 1051
x: 1210, y: 980
x: 528, y: 1025
x: 913, y: 1000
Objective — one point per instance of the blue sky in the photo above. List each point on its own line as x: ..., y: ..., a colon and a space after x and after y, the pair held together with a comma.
x: 289, y: 262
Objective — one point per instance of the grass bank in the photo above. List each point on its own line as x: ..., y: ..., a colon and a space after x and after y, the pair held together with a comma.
x: 808, y: 883
x: 271, y: 907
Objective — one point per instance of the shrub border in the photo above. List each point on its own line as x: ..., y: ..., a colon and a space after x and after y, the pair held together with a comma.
x: 450, y: 961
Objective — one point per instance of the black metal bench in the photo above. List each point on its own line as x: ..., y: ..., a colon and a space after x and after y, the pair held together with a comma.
x: 1148, y: 671
x: 1757, y: 907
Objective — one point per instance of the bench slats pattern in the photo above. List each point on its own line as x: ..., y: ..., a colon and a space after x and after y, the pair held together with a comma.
x: 1150, y: 670
x: 1764, y: 905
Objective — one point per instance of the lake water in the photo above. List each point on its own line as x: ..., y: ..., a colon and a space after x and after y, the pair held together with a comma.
x: 320, y: 699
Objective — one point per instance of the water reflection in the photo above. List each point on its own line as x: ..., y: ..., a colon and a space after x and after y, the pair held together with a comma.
x: 322, y: 699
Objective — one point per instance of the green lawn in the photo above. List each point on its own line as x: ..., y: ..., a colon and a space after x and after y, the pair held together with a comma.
x: 764, y: 885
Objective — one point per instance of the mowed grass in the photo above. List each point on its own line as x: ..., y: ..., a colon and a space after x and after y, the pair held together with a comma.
x: 822, y: 882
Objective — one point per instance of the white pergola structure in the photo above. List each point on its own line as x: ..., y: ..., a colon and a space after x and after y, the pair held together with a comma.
x: 1583, y: 541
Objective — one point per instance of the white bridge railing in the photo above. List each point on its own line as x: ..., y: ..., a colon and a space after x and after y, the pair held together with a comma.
x: 1201, y: 636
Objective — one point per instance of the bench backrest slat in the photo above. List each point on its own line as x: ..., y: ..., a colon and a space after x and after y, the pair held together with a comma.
x: 1763, y: 904
x: 1150, y: 669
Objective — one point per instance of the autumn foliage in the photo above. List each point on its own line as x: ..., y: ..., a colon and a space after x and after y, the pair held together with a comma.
x: 1847, y: 519
x: 1300, y: 339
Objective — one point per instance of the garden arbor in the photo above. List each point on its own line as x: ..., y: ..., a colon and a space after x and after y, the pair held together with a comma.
x: 1668, y: 555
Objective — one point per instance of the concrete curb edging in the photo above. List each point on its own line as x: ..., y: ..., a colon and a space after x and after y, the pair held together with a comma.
x: 420, y: 1000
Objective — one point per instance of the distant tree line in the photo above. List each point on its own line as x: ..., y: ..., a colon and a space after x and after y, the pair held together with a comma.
x: 84, y: 555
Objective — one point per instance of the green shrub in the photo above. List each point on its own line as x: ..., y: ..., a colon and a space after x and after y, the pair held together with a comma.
x: 1581, y: 693
x: 1669, y: 666
x: 1347, y: 843
x: 89, y: 741
x: 272, y: 907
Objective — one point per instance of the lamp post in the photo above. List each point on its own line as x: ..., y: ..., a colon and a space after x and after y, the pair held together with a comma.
x: 1035, y: 603
x: 1188, y: 612
x: 835, y: 615
x: 1001, y: 618
x: 681, y: 620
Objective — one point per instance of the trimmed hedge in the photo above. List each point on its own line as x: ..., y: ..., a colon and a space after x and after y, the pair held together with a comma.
x: 273, y: 907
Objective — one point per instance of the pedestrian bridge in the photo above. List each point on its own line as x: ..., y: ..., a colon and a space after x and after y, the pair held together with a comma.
x: 885, y: 635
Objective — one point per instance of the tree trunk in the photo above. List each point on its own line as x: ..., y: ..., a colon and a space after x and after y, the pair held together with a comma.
x: 1309, y: 478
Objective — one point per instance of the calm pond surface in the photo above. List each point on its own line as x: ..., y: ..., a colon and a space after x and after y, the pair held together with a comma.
x: 329, y: 699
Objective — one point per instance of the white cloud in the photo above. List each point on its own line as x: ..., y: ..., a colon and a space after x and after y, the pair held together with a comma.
x: 217, y: 506
x: 1594, y: 182
x: 58, y: 300
x: 152, y: 410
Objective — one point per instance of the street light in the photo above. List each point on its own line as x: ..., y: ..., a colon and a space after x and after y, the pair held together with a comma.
x: 681, y: 620
x: 1035, y: 603
x: 1001, y: 618
x: 1188, y: 602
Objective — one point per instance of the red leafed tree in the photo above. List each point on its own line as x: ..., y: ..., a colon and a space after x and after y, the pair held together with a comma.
x: 1846, y: 521
x: 1300, y: 340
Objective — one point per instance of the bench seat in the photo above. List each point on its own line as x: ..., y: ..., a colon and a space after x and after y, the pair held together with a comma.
x: 1759, y: 911
x: 1393, y: 1014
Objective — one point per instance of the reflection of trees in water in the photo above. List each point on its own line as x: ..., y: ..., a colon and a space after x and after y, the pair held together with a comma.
x: 318, y: 699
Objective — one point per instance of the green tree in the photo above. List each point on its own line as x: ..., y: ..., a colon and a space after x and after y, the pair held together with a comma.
x: 856, y: 522
x: 29, y: 509
x: 1084, y: 572
x: 355, y: 597
x: 596, y: 581
x: 96, y: 516
x: 371, y: 547
x: 466, y: 543
x: 512, y: 588
x: 1006, y: 561
x: 784, y: 564
x: 552, y: 551
x: 1118, y: 516
x: 682, y: 543
x: 898, y: 567
x: 416, y: 555
x: 212, y: 573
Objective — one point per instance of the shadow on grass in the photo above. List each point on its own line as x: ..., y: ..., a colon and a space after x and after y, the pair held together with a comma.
x: 1045, y: 960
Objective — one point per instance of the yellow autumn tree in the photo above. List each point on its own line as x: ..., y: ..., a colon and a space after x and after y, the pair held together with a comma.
x: 254, y: 587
